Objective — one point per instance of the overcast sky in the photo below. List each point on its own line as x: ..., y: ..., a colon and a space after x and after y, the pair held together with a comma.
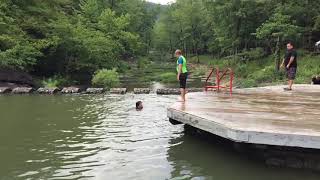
x: 161, y: 1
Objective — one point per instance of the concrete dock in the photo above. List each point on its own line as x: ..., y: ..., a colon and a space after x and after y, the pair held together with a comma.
x: 266, y: 115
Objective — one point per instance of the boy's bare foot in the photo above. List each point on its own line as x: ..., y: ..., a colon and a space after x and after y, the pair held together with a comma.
x: 287, y: 89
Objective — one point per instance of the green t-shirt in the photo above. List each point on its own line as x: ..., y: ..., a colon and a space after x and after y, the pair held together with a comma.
x: 182, y: 60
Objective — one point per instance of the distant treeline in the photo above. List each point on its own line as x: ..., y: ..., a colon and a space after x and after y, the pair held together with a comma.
x: 71, y: 36
x: 228, y: 27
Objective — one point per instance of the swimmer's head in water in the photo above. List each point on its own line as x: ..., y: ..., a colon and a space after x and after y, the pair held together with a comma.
x: 139, y: 105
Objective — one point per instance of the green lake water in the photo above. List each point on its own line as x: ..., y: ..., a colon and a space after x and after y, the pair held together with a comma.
x: 104, y: 137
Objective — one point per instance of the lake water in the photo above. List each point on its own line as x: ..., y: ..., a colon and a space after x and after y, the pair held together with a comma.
x: 104, y: 137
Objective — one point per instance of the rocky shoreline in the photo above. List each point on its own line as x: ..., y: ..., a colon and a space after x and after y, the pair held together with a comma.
x: 90, y: 90
x: 16, y: 82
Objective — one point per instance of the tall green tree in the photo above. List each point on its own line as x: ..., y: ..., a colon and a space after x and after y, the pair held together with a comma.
x: 276, y: 29
x: 73, y: 36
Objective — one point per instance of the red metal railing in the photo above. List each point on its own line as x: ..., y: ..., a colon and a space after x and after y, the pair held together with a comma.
x: 219, y: 76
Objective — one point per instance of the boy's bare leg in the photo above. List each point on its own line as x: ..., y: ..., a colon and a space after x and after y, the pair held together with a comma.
x: 290, y: 82
x: 183, y: 94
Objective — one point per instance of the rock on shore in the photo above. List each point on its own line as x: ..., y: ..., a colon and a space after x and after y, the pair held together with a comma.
x: 16, y: 77
x: 94, y: 90
x: 141, y: 90
x: 70, y: 90
x: 45, y: 90
x: 22, y: 90
x: 118, y: 90
x: 4, y: 90
x: 167, y: 91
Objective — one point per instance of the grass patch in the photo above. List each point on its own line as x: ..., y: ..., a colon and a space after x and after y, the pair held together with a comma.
x: 106, y: 78
x: 308, y: 66
x: 198, y: 70
x: 251, y: 69
x: 261, y: 71
x: 143, y: 62
x: 55, y: 81
x: 168, y: 77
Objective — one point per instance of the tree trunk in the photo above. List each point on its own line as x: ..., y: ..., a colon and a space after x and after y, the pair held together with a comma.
x: 198, y: 58
x: 277, y: 55
x: 197, y: 53
x: 171, y: 47
x: 112, y: 4
x: 185, y: 48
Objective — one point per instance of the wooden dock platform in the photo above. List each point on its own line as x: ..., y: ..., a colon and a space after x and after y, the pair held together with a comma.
x: 266, y: 115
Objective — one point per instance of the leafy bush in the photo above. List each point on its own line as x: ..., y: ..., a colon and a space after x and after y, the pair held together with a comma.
x: 247, y: 83
x: 106, y: 78
x: 200, y: 70
x: 168, y: 77
x: 242, y: 70
x: 143, y: 62
x: 123, y: 67
x: 266, y: 74
x: 20, y: 56
x: 55, y: 81
x: 252, y: 54
x: 308, y: 66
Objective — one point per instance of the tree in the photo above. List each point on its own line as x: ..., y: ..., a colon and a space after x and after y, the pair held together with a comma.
x: 278, y: 27
x: 73, y: 36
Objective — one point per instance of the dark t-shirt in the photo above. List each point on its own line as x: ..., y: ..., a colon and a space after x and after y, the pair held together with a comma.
x: 288, y: 55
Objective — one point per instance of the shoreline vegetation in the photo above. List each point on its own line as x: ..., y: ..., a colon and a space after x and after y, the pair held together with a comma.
x: 114, y: 43
x: 247, y: 73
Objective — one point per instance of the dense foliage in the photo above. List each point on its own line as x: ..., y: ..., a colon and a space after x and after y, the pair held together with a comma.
x: 72, y: 39
x: 228, y: 27
x: 69, y: 37
x: 56, y: 81
x: 106, y: 78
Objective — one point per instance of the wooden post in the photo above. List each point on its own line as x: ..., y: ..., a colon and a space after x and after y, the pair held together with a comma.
x: 277, y: 55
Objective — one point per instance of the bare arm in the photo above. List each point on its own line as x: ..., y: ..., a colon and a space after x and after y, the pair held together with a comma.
x: 290, y: 62
x: 179, y: 71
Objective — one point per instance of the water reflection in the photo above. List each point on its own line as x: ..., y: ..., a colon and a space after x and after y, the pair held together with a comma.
x: 194, y: 157
x: 70, y: 137
x: 104, y: 137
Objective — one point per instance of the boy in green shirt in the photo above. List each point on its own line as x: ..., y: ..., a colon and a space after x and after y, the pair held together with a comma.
x: 182, y: 73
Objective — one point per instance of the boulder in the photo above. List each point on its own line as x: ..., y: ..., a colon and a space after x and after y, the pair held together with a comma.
x: 118, y: 90
x: 167, y: 91
x: 94, y: 90
x: 70, y: 90
x: 22, y: 90
x: 4, y: 90
x: 317, y: 45
x: 141, y: 90
x: 16, y: 77
x: 315, y: 79
x: 46, y: 90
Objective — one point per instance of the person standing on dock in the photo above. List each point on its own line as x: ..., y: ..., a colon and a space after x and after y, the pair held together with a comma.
x: 290, y: 64
x: 182, y: 73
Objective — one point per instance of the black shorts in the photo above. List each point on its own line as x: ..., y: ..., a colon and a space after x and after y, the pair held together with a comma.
x: 183, y: 80
x: 291, y: 73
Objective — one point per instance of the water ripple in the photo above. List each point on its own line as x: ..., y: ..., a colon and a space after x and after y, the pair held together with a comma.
x: 94, y: 136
